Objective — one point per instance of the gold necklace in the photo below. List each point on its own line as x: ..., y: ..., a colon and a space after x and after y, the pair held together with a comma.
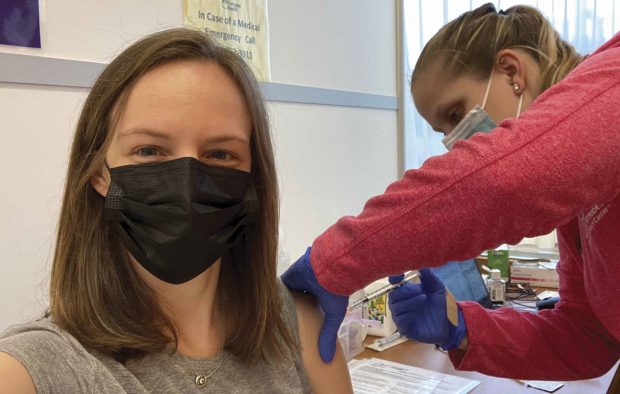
x: 201, y: 379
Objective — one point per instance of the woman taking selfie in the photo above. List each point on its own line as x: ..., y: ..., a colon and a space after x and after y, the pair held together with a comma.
x: 164, y: 273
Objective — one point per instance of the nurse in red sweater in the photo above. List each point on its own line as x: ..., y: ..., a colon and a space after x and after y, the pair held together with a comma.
x: 553, y: 161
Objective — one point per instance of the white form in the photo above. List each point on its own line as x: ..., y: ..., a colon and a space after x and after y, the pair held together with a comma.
x: 375, y: 376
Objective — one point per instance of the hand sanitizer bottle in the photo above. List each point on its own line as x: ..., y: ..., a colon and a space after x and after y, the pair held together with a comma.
x: 496, y: 287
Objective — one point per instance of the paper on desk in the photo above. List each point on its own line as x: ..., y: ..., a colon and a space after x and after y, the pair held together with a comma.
x: 543, y: 385
x: 548, y: 293
x: 374, y: 376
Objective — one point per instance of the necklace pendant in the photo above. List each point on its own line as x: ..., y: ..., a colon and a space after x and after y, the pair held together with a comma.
x: 200, y: 381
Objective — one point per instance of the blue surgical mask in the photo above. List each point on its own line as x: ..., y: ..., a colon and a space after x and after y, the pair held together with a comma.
x: 476, y: 120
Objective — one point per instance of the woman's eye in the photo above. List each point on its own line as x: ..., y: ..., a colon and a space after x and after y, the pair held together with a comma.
x: 455, y: 116
x: 220, y: 155
x: 148, y: 151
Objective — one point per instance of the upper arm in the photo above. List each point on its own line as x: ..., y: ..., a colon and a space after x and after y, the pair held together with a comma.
x: 324, y: 378
x: 14, y: 377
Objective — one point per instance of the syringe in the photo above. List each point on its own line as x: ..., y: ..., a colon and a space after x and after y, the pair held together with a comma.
x: 385, y: 289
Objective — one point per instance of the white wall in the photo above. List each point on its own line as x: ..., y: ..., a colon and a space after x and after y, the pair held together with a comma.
x: 330, y: 159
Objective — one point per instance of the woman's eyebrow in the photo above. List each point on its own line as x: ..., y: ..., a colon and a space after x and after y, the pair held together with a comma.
x: 441, y: 109
x: 226, y: 138
x: 140, y: 130
x: 160, y: 134
x: 439, y: 112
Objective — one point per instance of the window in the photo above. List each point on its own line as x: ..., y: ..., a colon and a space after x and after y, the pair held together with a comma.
x: 586, y: 24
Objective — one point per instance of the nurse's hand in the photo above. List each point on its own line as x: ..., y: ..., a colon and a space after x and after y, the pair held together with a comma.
x: 421, y: 311
x: 299, y: 276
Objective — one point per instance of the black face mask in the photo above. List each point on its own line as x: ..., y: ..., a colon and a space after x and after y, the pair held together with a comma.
x: 178, y: 217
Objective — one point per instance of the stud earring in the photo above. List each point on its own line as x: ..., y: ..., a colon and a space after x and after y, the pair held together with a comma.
x: 516, y: 87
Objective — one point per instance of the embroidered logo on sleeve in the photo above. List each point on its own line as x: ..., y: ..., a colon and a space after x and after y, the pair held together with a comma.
x: 594, y: 216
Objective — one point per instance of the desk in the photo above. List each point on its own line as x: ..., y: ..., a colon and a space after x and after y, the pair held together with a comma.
x: 426, y: 356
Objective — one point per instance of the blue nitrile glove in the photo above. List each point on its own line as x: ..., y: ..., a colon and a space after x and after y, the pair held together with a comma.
x: 299, y: 276
x: 419, y: 311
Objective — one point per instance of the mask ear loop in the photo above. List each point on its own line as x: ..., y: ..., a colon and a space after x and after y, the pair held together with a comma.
x: 486, y: 94
x: 520, y: 105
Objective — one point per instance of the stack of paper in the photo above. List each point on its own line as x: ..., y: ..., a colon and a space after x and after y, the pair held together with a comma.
x: 375, y: 376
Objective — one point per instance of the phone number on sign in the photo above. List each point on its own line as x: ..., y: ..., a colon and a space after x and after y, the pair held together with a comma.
x: 243, y: 53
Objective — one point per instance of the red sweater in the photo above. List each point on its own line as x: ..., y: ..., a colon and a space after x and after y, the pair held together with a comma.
x: 558, y: 165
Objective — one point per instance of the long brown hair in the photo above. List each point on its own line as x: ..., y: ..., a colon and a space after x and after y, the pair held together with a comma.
x: 470, y: 43
x: 95, y: 294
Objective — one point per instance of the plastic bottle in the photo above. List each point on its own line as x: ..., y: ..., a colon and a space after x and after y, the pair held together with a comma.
x: 496, y: 287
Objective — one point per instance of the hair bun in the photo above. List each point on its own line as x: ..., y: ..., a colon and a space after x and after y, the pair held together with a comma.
x: 488, y: 8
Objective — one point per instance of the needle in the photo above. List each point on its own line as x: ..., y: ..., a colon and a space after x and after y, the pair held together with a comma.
x: 385, y: 289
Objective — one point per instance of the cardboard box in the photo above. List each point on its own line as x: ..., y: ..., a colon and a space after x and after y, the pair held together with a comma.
x: 536, y: 274
x: 377, y: 314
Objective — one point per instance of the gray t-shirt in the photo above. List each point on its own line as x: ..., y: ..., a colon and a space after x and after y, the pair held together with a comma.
x: 58, y: 363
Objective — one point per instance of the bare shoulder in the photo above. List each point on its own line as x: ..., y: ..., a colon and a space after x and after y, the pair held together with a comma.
x: 324, y: 378
x: 14, y: 377
x: 306, y: 304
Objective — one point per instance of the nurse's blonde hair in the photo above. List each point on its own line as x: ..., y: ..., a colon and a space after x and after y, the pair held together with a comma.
x: 470, y: 43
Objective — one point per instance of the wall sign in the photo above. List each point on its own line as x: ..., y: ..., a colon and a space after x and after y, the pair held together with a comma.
x: 241, y: 25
